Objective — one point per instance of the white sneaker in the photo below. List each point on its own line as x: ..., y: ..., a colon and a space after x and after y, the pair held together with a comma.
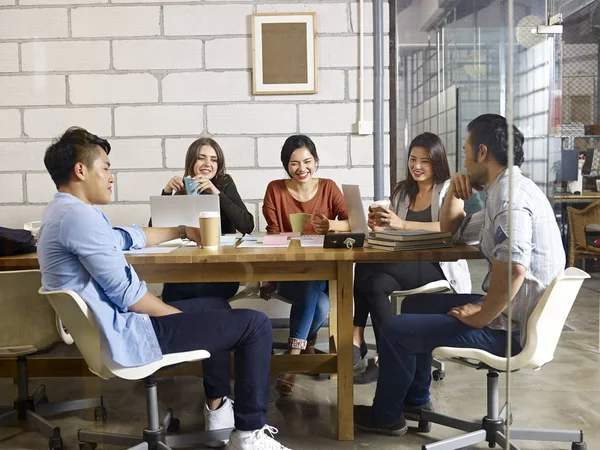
x: 218, y: 419
x: 255, y: 440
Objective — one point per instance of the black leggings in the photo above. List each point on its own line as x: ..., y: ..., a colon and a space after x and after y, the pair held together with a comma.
x: 374, y: 283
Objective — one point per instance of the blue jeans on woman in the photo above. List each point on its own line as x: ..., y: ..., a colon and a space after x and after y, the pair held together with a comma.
x: 310, y: 306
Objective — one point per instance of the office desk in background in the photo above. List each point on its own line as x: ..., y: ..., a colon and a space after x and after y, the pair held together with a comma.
x: 188, y: 264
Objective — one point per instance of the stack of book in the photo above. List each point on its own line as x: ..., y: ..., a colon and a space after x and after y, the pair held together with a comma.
x: 395, y: 240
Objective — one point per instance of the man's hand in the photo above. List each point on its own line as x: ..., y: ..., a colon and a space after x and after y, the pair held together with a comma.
x: 461, y: 186
x: 320, y: 223
x: 468, y: 314
x: 267, y: 289
x: 193, y: 234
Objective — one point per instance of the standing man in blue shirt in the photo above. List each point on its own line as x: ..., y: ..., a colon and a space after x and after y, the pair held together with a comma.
x: 469, y: 320
x: 78, y: 249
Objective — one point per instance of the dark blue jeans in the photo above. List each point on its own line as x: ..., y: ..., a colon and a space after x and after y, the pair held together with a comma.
x: 310, y: 306
x: 174, y: 292
x: 210, y: 324
x: 406, y: 343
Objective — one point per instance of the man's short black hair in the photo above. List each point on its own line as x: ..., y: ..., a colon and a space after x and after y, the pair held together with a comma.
x: 76, y: 145
x: 491, y: 130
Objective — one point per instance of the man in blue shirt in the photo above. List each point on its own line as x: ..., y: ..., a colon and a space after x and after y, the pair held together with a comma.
x: 78, y: 249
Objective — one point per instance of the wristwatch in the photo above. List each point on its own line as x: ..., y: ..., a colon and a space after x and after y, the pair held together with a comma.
x: 182, y: 234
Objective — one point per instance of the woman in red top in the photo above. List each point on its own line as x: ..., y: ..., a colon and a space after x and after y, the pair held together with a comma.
x: 302, y: 193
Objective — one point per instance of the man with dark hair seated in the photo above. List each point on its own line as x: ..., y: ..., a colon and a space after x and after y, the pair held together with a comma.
x: 468, y: 320
x: 78, y: 249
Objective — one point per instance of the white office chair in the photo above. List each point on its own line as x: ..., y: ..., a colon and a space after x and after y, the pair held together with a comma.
x: 543, y: 331
x: 29, y: 325
x: 92, y: 344
x: 398, y: 297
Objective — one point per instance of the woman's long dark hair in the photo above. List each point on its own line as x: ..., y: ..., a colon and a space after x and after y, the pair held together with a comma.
x: 441, y: 171
x: 191, y: 157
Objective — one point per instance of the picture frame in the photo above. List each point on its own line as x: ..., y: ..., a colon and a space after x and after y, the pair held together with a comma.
x: 284, y: 53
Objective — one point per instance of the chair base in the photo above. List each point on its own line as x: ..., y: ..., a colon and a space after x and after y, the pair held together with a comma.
x: 30, y: 409
x: 491, y: 428
x: 154, y: 436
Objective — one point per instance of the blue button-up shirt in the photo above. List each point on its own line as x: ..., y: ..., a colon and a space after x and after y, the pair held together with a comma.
x: 79, y: 250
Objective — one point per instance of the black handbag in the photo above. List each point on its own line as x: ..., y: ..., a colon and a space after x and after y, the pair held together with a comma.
x: 16, y: 242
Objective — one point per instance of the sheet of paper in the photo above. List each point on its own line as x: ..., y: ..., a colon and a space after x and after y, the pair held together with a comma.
x: 312, y: 241
x: 228, y: 239
x: 291, y: 234
x: 274, y: 239
x: 150, y: 250
x: 255, y: 244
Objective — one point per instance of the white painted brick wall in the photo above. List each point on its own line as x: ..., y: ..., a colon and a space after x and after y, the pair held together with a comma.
x: 22, y: 156
x: 202, y: 87
x: 138, y: 153
x: 110, y: 89
x: 228, y: 53
x: 212, y: 20
x: 32, y: 90
x: 33, y: 23
x: 60, y: 2
x: 10, y: 123
x: 15, y: 216
x: 157, y: 54
x: 361, y: 148
x: 51, y: 123
x: 11, y: 188
x: 115, y: 21
x: 158, y: 120
x: 40, y: 188
x: 332, y: 151
x: 251, y: 119
x: 9, y: 57
x: 238, y: 151
x: 152, y: 76
x: 138, y: 186
x: 65, y: 56
x: 353, y: 85
x: 368, y: 18
x: 331, y: 17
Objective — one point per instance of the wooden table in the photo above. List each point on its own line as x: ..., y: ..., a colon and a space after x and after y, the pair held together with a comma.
x: 585, y: 197
x: 294, y: 263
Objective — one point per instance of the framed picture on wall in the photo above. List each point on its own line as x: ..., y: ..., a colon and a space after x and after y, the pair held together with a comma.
x: 284, y: 53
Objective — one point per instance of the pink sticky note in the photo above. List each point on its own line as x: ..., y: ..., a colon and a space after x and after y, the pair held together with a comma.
x: 274, y: 239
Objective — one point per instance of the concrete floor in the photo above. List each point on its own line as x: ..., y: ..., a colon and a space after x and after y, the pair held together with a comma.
x: 563, y: 395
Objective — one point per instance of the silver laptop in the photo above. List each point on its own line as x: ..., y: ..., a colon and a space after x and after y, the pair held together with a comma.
x: 356, y: 211
x: 174, y: 210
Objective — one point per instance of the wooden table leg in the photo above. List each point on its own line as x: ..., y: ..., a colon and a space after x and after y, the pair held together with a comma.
x: 333, y: 338
x: 344, y: 352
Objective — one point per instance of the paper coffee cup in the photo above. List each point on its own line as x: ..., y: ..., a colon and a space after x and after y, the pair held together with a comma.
x: 210, y: 234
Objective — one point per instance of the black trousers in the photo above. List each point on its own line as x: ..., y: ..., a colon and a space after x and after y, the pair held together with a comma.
x: 210, y: 324
x: 374, y: 283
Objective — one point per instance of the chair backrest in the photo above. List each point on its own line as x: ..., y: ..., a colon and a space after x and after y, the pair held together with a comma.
x: 579, y: 219
x: 547, y: 320
x: 82, y: 325
x: 27, y: 321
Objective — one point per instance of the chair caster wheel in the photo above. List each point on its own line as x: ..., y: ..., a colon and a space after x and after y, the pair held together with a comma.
x: 87, y: 446
x: 438, y: 375
x: 578, y: 446
x: 424, y: 426
x: 55, y: 443
x: 100, y: 413
x: 174, y: 426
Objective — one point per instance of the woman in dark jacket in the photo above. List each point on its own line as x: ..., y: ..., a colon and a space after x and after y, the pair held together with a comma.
x: 205, y: 165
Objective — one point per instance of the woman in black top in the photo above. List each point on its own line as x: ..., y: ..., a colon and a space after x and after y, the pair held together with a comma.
x: 205, y: 164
